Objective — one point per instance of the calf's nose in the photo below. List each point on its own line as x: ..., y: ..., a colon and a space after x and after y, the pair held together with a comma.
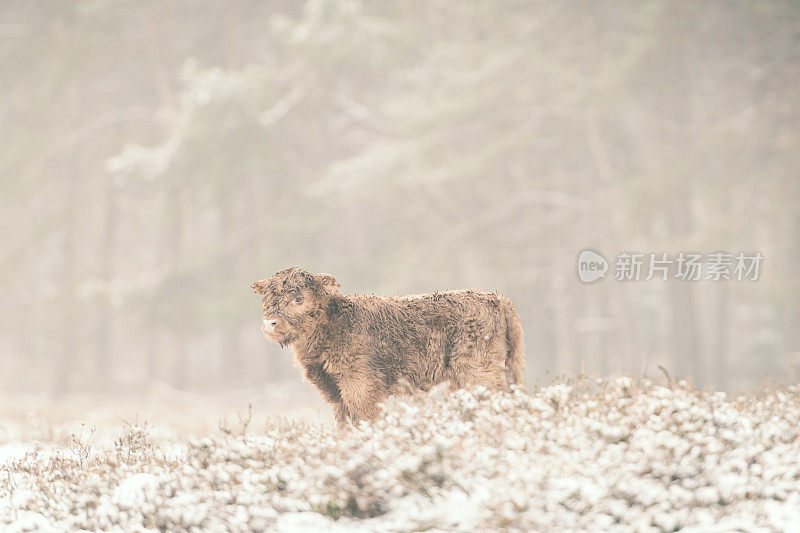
x: 269, y: 324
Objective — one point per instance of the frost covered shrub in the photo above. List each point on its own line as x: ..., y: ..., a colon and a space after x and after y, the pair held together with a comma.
x: 584, y: 455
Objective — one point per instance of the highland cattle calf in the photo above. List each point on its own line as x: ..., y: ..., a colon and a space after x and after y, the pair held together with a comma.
x: 358, y: 349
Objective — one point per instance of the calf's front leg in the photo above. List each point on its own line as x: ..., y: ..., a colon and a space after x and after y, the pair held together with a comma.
x: 340, y: 413
x: 361, y: 396
x: 329, y: 388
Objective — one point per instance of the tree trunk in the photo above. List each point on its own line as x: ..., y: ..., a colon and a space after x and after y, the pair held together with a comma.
x: 102, y: 349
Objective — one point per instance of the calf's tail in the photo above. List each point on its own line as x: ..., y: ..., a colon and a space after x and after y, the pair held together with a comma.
x: 515, y: 356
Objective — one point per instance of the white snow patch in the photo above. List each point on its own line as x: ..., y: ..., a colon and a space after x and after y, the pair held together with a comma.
x: 135, y: 491
x: 16, y: 451
x: 625, y: 455
x: 29, y: 521
x: 308, y: 522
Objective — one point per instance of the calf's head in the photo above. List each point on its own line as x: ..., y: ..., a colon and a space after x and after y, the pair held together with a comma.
x: 292, y: 302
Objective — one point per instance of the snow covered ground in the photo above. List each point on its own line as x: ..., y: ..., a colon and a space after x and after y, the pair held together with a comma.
x: 587, y: 455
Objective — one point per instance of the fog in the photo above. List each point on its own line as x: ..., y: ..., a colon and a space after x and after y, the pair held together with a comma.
x: 156, y: 158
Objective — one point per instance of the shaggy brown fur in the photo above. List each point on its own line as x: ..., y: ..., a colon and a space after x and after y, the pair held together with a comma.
x: 357, y: 349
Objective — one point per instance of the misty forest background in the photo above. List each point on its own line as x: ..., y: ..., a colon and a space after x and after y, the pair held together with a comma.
x: 158, y: 157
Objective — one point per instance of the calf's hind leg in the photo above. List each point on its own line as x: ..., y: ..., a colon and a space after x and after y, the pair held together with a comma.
x: 473, y: 365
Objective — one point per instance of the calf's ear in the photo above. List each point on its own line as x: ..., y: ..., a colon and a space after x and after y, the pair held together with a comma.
x: 260, y: 287
x: 328, y: 282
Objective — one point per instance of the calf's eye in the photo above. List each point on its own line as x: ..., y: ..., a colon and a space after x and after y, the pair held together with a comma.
x: 298, y: 300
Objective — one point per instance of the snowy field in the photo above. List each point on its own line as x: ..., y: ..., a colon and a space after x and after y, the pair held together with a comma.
x: 584, y: 455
